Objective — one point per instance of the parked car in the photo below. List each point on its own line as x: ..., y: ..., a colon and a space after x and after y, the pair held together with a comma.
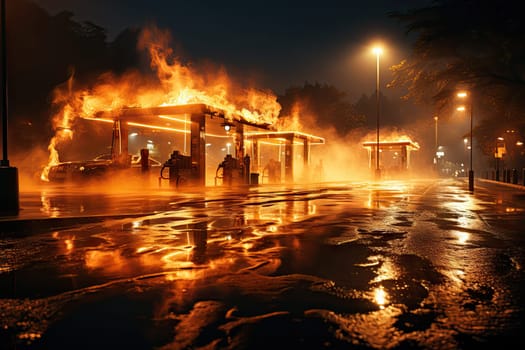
x: 79, y: 170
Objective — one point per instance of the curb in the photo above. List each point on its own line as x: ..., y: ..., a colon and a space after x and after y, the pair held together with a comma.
x: 519, y: 187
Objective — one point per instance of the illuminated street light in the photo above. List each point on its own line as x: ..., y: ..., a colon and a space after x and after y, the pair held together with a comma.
x: 378, y: 51
x: 464, y: 94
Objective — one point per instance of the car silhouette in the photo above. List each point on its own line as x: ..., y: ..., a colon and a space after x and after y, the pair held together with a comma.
x: 97, y: 168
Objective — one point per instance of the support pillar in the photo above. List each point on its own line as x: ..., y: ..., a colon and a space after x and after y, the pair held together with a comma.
x: 120, y: 152
x: 306, y: 160
x: 239, y: 142
x: 288, y: 160
x: 198, y: 149
x: 404, y: 158
x: 256, y: 155
x: 373, y: 154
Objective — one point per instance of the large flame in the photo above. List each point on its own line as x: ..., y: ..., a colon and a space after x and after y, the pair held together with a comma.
x: 62, y: 122
x: 176, y: 84
x: 181, y: 85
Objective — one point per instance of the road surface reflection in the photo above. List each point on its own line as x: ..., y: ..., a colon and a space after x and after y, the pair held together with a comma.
x: 419, y: 264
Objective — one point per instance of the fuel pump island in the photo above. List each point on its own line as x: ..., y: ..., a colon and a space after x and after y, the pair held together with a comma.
x: 200, y: 128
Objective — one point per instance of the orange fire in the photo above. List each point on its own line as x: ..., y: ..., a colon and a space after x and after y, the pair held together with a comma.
x: 292, y: 121
x: 176, y: 84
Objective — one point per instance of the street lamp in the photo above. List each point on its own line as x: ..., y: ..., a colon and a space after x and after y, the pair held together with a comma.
x: 9, y: 188
x: 464, y: 94
x: 436, y: 158
x: 377, y: 51
x: 436, y: 133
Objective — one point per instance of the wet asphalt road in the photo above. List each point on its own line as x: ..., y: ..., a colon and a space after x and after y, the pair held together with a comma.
x: 391, y: 265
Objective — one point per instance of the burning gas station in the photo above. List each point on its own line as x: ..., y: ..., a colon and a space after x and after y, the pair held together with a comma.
x: 198, y: 129
x: 209, y: 148
x: 202, y: 128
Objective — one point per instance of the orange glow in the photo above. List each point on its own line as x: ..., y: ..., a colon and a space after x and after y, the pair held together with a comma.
x: 69, y: 244
x: 316, y: 139
x: 178, y: 84
x: 463, y: 237
x: 377, y: 50
x: 392, y: 137
x: 106, y: 260
x: 380, y: 297
x: 175, y: 119
x: 101, y: 120
x: 158, y: 127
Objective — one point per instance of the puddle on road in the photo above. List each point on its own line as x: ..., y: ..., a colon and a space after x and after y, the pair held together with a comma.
x: 333, y: 267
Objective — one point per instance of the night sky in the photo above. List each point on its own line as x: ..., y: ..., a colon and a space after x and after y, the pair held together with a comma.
x: 273, y: 44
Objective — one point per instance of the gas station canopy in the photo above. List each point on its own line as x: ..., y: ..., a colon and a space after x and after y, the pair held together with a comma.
x: 277, y: 137
x: 143, y: 115
x: 388, y: 144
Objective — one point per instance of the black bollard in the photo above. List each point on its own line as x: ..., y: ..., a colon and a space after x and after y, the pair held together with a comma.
x: 9, y: 191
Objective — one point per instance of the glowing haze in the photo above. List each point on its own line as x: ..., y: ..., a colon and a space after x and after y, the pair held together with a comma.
x: 176, y: 84
x: 343, y: 157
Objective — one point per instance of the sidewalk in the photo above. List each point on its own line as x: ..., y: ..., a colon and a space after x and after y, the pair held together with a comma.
x: 517, y: 186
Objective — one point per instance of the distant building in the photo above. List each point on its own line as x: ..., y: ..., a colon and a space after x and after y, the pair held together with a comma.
x: 394, y: 156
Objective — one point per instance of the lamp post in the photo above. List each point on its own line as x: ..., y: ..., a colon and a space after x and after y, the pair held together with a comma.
x: 5, y: 159
x: 436, y: 142
x: 436, y: 132
x: 471, y: 170
x: 377, y: 51
x: 9, y: 190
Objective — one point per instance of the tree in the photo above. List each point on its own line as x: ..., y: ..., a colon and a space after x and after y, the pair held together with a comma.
x: 467, y: 44
x: 325, y: 104
x: 43, y: 52
x: 394, y: 112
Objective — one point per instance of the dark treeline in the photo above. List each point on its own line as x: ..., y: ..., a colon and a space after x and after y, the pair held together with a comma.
x: 473, y: 45
x: 332, y: 107
x: 44, y: 51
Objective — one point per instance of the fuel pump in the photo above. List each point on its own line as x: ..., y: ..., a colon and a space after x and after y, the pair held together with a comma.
x: 179, y: 168
x: 228, y: 166
x: 231, y: 170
